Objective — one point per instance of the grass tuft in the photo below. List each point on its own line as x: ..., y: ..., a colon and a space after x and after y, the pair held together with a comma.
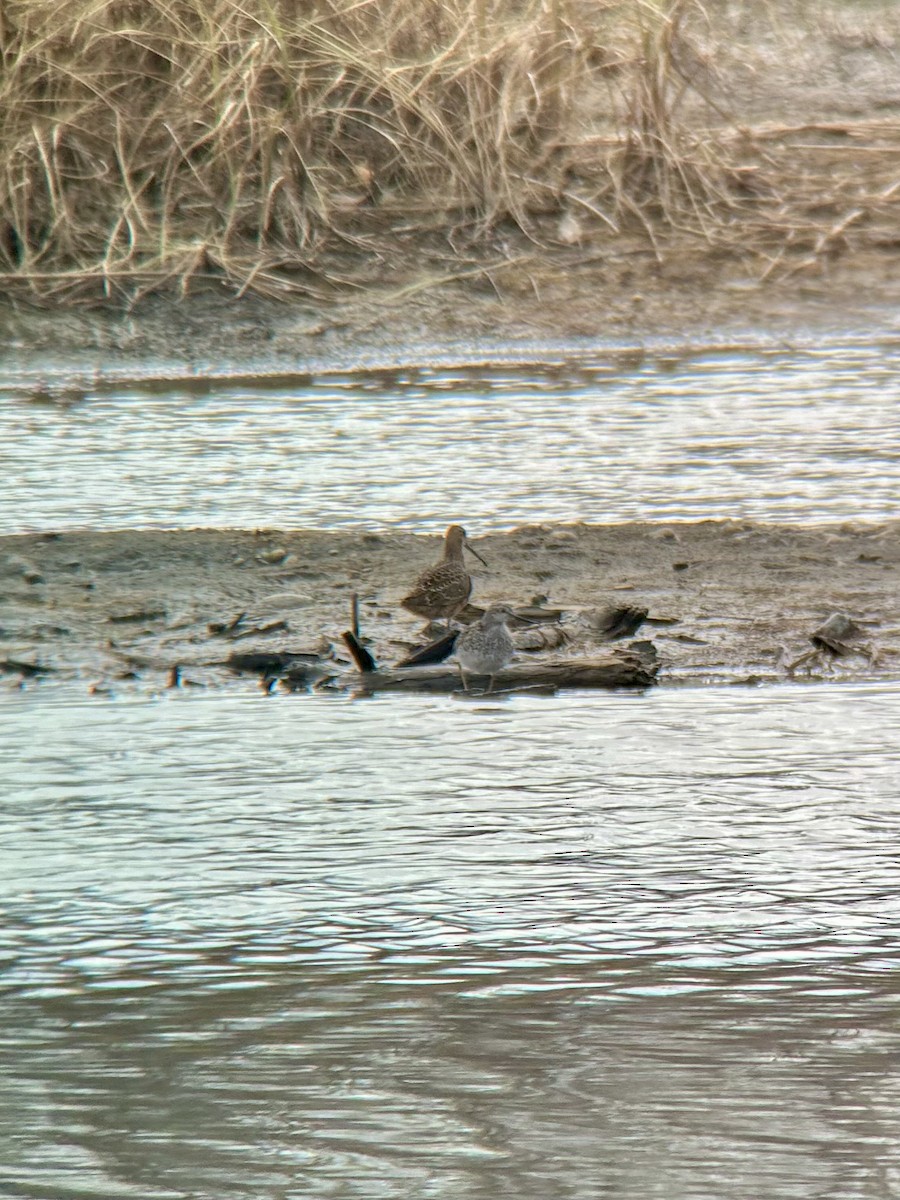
x: 283, y: 147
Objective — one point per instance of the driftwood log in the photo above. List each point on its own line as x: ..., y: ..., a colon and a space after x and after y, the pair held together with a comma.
x: 621, y: 670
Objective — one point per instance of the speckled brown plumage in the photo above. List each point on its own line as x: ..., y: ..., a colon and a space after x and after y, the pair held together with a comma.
x: 444, y: 589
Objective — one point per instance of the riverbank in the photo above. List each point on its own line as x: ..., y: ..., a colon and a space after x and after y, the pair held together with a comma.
x: 563, y: 303
x: 522, y: 173
x: 726, y: 601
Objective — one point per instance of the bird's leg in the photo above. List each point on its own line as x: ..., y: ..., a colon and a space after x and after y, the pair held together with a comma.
x: 462, y: 676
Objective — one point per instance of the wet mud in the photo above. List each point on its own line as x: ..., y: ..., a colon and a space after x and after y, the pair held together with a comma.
x: 725, y: 601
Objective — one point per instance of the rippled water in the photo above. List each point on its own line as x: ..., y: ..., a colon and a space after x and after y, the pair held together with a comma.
x: 778, y: 436
x: 612, y: 946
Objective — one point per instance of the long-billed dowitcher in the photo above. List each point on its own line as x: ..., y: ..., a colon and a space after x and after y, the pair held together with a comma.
x: 486, y: 647
x: 443, y: 590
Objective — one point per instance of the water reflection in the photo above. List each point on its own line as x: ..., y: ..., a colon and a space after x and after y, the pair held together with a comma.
x: 618, y: 946
x: 771, y: 436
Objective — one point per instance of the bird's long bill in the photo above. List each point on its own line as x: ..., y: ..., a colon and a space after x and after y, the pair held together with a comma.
x: 469, y: 546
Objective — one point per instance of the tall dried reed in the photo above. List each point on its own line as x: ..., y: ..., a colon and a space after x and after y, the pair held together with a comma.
x: 264, y: 143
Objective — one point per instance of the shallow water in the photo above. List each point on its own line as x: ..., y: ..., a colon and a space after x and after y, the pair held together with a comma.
x: 620, y: 946
x: 800, y: 436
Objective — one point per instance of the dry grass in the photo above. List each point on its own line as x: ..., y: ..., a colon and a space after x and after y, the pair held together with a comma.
x: 281, y: 146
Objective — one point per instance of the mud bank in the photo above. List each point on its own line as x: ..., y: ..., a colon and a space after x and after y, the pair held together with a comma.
x: 564, y: 301
x: 727, y: 601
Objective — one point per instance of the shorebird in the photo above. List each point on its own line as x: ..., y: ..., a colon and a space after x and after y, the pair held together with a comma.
x: 443, y: 590
x: 486, y: 647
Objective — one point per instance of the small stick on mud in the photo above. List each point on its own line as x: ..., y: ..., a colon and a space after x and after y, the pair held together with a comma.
x: 350, y: 637
x: 218, y: 628
x: 363, y: 659
x: 434, y: 652
x: 26, y: 669
x: 354, y: 615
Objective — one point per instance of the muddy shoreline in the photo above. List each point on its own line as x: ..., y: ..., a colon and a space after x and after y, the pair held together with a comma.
x: 564, y: 304
x: 727, y: 601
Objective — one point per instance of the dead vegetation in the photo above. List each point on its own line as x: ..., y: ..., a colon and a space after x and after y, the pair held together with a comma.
x: 281, y: 147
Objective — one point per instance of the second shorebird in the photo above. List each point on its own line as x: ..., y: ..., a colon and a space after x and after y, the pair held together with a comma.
x: 486, y: 647
x: 443, y: 590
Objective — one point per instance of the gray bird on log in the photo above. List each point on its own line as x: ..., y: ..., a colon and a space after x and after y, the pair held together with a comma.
x: 486, y: 647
